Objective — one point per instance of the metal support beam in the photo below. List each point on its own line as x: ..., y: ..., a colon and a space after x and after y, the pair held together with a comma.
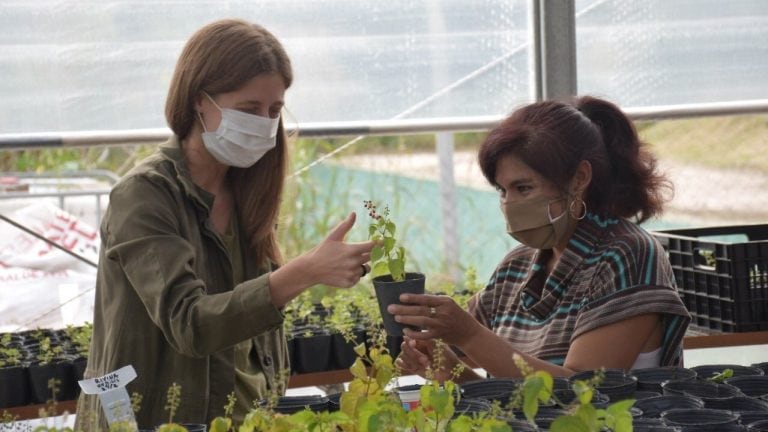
x: 448, y: 205
x: 555, y: 38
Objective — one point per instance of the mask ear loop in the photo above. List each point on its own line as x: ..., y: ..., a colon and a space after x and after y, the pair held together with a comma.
x: 294, y: 133
x: 549, y: 210
x: 200, y: 116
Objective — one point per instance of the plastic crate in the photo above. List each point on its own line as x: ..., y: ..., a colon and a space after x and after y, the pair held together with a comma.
x: 722, y: 275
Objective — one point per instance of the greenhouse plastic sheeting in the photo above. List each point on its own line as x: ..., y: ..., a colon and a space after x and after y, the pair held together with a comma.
x: 41, y: 286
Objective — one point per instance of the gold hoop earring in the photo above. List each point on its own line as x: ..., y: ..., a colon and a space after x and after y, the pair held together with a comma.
x: 572, y: 209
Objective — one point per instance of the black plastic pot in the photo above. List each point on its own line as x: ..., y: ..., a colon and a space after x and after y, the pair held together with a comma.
x: 752, y: 386
x: 546, y: 416
x: 14, y: 386
x: 491, y: 389
x: 703, y: 390
x: 388, y: 292
x: 39, y: 375
x: 560, y: 383
x: 651, y: 425
x: 696, y: 420
x: 644, y: 394
x: 312, y: 352
x: 467, y: 406
x: 758, y: 426
x: 394, y: 344
x: 747, y: 417
x: 344, y: 351
x: 708, y: 371
x: 617, y: 385
x: 566, y: 397
x: 651, y: 378
x: 292, y: 404
x: 334, y: 402
x: 79, y: 364
x: 518, y: 425
x: 291, y: 352
x: 653, y: 407
x: 737, y: 404
x: 762, y: 366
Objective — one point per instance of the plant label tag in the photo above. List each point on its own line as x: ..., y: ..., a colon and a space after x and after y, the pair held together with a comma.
x: 112, y: 394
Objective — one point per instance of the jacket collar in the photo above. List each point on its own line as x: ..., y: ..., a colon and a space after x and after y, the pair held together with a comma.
x: 171, y: 151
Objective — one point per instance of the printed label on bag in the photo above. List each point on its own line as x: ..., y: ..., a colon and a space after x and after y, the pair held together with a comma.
x: 112, y: 394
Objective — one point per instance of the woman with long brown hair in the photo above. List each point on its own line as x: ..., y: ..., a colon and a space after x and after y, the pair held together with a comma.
x: 191, y: 284
x: 587, y: 287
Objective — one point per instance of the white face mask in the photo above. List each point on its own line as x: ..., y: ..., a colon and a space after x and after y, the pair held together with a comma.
x: 241, y: 138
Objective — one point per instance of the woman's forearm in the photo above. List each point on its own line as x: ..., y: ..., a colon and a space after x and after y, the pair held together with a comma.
x: 494, y: 354
x: 287, y: 282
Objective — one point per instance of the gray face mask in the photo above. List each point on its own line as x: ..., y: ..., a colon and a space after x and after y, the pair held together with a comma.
x: 241, y: 138
x: 531, y: 223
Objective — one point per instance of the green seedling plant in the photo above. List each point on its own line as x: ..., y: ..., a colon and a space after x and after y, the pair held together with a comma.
x: 224, y: 423
x: 471, y: 287
x: 48, y: 353
x: 366, y: 402
x: 173, y: 400
x: 721, y: 376
x: 80, y: 337
x: 387, y: 257
x: 9, y: 356
x: 342, y: 317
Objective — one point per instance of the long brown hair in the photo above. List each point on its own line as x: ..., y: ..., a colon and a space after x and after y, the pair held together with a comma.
x: 553, y: 137
x: 221, y: 57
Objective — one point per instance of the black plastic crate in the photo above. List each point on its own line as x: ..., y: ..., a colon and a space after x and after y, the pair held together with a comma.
x: 722, y: 274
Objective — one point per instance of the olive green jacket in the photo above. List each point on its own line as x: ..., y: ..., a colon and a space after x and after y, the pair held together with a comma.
x: 165, y: 301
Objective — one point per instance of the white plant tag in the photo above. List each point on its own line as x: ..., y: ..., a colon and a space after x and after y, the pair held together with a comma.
x: 112, y: 393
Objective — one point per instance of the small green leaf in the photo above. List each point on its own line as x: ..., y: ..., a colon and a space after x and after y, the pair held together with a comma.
x: 358, y: 369
x: 391, y: 228
x: 494, y: 425
x: 389, y: 243
x: 623, y: 423
x: 589, y: 415
x: 360, y: 350
x: 376, y: 253
x: 379, y: 269
x: 583, y: 391
x: 220, y: 424
x: 531, y: 389
x: 461, y: 424
x: 371, y: 229
x: 396, y: 268
x: 722, y: 376
x: 622, y: 406
x: 546, y: 391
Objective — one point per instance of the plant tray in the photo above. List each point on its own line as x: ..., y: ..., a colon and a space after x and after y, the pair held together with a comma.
x: 721, y: 274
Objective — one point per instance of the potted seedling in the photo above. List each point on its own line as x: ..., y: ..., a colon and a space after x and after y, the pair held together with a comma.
x: 311, y: 339
x: 13, y: 375
x: 346, y: 329
x: 81, y: 342
x: 390, y: 279
x: 49, y: 366
x: 172, y: 403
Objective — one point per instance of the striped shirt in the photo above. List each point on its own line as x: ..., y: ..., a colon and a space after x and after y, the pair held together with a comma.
x: 611, y: 270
